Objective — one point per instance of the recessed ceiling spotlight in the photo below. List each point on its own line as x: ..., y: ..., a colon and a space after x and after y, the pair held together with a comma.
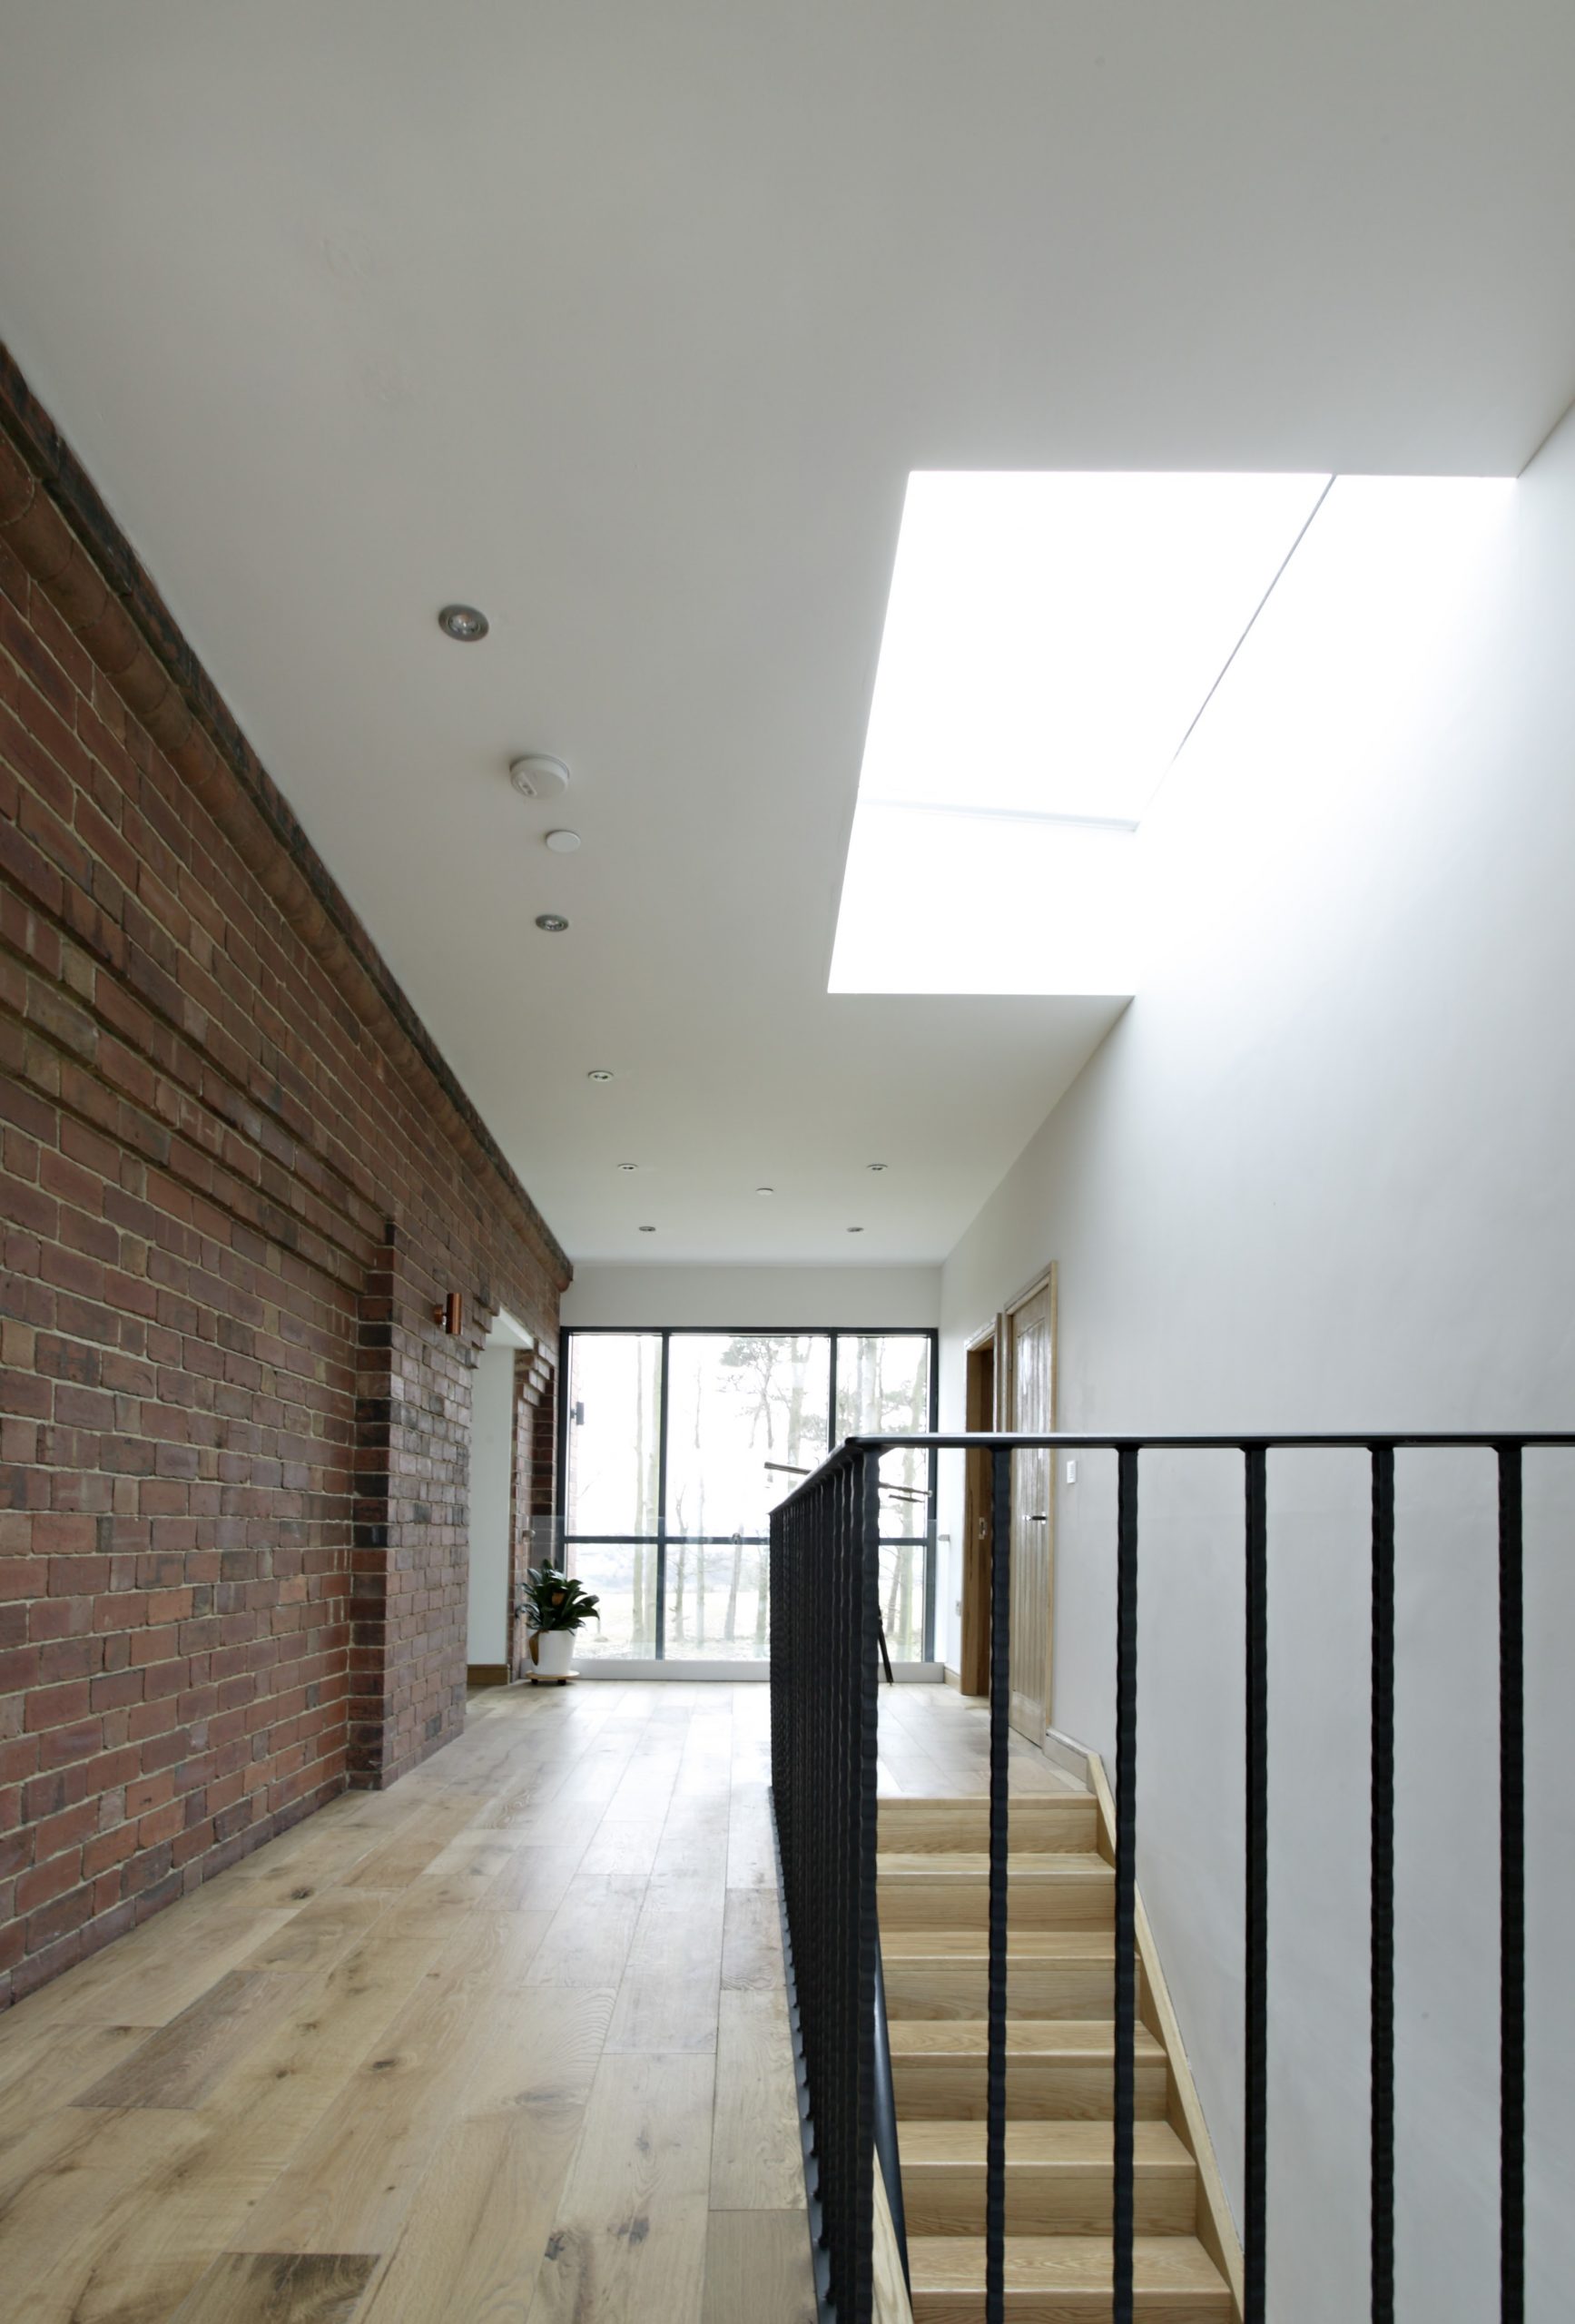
x: 535, y: 777
x: 465, y: 623
x: 855, y: 1230
x: 765, y: 1190
x: 628, y: 1165
x: 600, y: 1073
x: 647, y: 1230
x: 551, y: 923
x: 876, y: 1167
x: 564, y: 843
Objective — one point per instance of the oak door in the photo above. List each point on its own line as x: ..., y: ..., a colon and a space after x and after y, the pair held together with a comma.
x: 1031, y: 1350
x: 973, y: 1668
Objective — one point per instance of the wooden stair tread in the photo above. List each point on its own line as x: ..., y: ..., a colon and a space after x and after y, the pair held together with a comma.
x: 1031, y: 2260
x: 1045, y: 1821
x: 969, y: 2037
x: 1021, y: 1944
x: 1052, y: 1864
x: 1173, y: 2276
x: 977, y: 1802
x: 1075, y: 2145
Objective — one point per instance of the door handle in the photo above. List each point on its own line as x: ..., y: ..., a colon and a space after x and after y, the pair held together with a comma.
x: 1039, y: 1517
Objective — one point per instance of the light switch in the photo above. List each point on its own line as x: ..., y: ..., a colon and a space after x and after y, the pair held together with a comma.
x: 1072, y: 1472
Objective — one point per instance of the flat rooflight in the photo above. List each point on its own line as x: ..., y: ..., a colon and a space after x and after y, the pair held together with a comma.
x: 1050, y: 639
x: 1051, y: 643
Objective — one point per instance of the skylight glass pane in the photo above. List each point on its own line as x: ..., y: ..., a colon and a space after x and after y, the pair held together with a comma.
x: 1050, y: 639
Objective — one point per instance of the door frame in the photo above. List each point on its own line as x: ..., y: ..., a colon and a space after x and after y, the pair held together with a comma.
x: 1047, y: 1279
x: 982, y: 1414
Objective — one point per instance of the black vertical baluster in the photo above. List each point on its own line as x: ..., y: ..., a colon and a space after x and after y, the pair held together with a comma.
x: 1512, y: 1893
x: 1254, y: 2251
x: 837, y: 2156
x: 1383, y: 1886
x: 995, y: 2054
x: 867, y: 1709
x: 1122, y: 2219
x: 833, y: 2158
x: 664, y: 1408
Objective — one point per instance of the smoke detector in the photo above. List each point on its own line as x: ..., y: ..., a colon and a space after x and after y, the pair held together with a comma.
x: 535, y: 777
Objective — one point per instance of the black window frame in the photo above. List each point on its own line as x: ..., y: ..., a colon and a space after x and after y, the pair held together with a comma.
x: 667, y: 1334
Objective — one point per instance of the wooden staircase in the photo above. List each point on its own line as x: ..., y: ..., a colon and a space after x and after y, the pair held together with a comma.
x: 1060, y: 2038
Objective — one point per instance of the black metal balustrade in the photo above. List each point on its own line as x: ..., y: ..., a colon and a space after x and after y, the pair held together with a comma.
x: 825, y: 1625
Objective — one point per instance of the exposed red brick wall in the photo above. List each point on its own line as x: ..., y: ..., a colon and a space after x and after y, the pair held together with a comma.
x: 235, y: 1181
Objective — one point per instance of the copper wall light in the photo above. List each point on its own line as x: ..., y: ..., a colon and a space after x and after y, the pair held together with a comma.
x: 450, y: 1314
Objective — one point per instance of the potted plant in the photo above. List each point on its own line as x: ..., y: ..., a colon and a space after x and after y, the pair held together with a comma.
x: 555, y: 1606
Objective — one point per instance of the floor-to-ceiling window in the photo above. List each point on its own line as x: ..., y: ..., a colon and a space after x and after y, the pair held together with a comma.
x: 677, y: 1444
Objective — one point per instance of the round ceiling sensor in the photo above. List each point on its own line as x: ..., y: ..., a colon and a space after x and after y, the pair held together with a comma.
x: 465, y: 623
x: 600, y: 1073
x: 551, y: 923
x: 855, y: 1230
x: 564, y: 843
x: 647, y: 1230
x: 876, y: 1167
x: 535, y: 777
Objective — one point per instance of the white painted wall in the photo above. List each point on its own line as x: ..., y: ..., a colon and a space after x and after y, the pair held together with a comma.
x: 491, y: 1461
x: 795, y: 1298
x: 1320, y: 1176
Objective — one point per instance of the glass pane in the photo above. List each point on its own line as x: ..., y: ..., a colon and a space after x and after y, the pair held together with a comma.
x: 746, y: 1412
x: 902, y: 1599
x: 623, y: 1577
x: 613, y: 1432
x: 717, y: 1595
x: 882, y: 1385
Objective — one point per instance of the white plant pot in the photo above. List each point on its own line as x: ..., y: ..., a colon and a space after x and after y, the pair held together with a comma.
x: 554, y: 1653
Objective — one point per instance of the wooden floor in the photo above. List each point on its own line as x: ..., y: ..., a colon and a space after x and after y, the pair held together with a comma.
x: 508, y: 2042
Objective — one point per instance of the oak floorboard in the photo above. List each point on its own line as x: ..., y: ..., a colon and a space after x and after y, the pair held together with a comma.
x: 663, y: 2010
x: 315, y: 1936
x: 49, y: 2070
x: 629, y: 2239
x: 191, y: 2197
x: 475, y: 2235
x: 751, y: 1846
x: 349, y: 2184
x: 756, y: 2157
x: 758, y: 2265
x: 57, y: 2191
x: 693, y: 1841
x: 751, y: 1944
x: 278, y: 2288
x: 155, y: 1971
x: 592, y: 1931
x: 178, y: 2064
x: 537, y: 1875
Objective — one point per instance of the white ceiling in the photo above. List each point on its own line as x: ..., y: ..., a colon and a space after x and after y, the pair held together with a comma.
x: 625, y: 319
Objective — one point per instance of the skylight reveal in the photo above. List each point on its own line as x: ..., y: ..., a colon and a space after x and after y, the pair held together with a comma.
x: 1050, y: 640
